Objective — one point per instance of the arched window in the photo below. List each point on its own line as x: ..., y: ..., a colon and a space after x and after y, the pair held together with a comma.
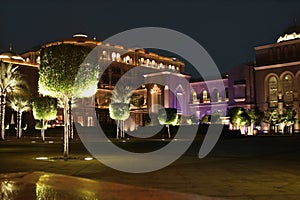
x: 161, y: 66
x: 215, y: 96
x: 113, y: 56
x: 38, y: 60
x: 273, y: 91
x: 153, y: 63
x: 118, y: 57
x: 104, y: 55
x: 127, y: 60
x: 142, y: 60
x: 287, y: 86
x: 204, y: 95
x: 194, y: 96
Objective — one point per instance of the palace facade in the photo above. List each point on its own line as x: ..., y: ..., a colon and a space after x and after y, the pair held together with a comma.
x: 271, y: 81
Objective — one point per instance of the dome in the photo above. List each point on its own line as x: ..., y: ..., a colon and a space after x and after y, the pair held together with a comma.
x: 82, y: 35
x: 11, y: 55
x: 291, y: 33
x: 80, y: 38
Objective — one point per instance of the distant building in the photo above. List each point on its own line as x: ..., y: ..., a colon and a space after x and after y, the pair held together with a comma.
x: 277, y: 73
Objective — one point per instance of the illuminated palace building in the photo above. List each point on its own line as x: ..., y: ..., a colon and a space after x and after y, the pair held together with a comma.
x: 271, y: 81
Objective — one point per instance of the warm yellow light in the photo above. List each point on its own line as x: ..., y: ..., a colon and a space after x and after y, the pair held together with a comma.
x: 41, y: 158
x: 88, y: 158
x: 287, y: 37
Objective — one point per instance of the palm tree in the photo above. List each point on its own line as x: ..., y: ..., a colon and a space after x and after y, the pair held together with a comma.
x: 10, y: 83
x: 20, y: 104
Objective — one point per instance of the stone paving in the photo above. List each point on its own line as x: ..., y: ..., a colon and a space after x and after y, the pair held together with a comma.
x: 248, y: 168
x: 41, y: 185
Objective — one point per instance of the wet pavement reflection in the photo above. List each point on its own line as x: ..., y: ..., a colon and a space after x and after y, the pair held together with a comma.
x: 46, y: 186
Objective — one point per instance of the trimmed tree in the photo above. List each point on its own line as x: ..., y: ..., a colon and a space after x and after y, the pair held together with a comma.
x: 167, y: 117
x: 239, y: 118
x: 289, y: 119
x: 58, y: 78
x: 256, y: 117
x: 20, y: 104
x: 44, y: 109
x: 273, y: 118
x: 119, y: 107
x: 11, y: 83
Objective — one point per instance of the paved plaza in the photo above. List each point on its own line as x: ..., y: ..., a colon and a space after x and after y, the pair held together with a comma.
x: 264, y: 167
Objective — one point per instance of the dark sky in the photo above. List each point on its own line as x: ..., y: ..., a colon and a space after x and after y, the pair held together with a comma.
x: 228, y: 30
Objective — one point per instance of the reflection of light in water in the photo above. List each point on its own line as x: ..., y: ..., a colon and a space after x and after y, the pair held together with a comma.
x: 46, y: 191
x: 7, y: 190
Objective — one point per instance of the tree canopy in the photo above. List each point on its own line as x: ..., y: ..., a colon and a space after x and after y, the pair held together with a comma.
x: 168, y: 116
x: 44, y: 108
x: 58, y: 71
x: 255, y: 115
x: 238, y: 116
x: 272, y: 117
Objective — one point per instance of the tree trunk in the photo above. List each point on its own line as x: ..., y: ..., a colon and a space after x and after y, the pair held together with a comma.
x: 66, y: 132
x: 291, y: 129
x: 2, y: 115
x: 43, y: 129
x: 242, y: 130
x: 118, y: 122
x: 19, y: 123
x: 123, y: 131
x: 169, y: 134
x: 71, y: 132
x: 251, y: 129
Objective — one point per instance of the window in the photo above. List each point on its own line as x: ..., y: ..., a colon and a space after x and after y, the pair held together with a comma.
x: 194, y: 96
x: 287, y: 86
x: 155, y: 98
x: 90, y: 121
x: 142, y: 60
x: 118, y: 57
x: 80, y: 120
x: 239, y: 90
x: 153, y: 63
x: 113, y: 56
x: 215, y: 96
x: 273, y: 91
x: 104, y: 55
x: 204, y: 95
x: 38, y: 60
x: 127, y: 60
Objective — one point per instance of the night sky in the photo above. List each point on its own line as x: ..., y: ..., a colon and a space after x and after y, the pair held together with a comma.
x: 228, y: 30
